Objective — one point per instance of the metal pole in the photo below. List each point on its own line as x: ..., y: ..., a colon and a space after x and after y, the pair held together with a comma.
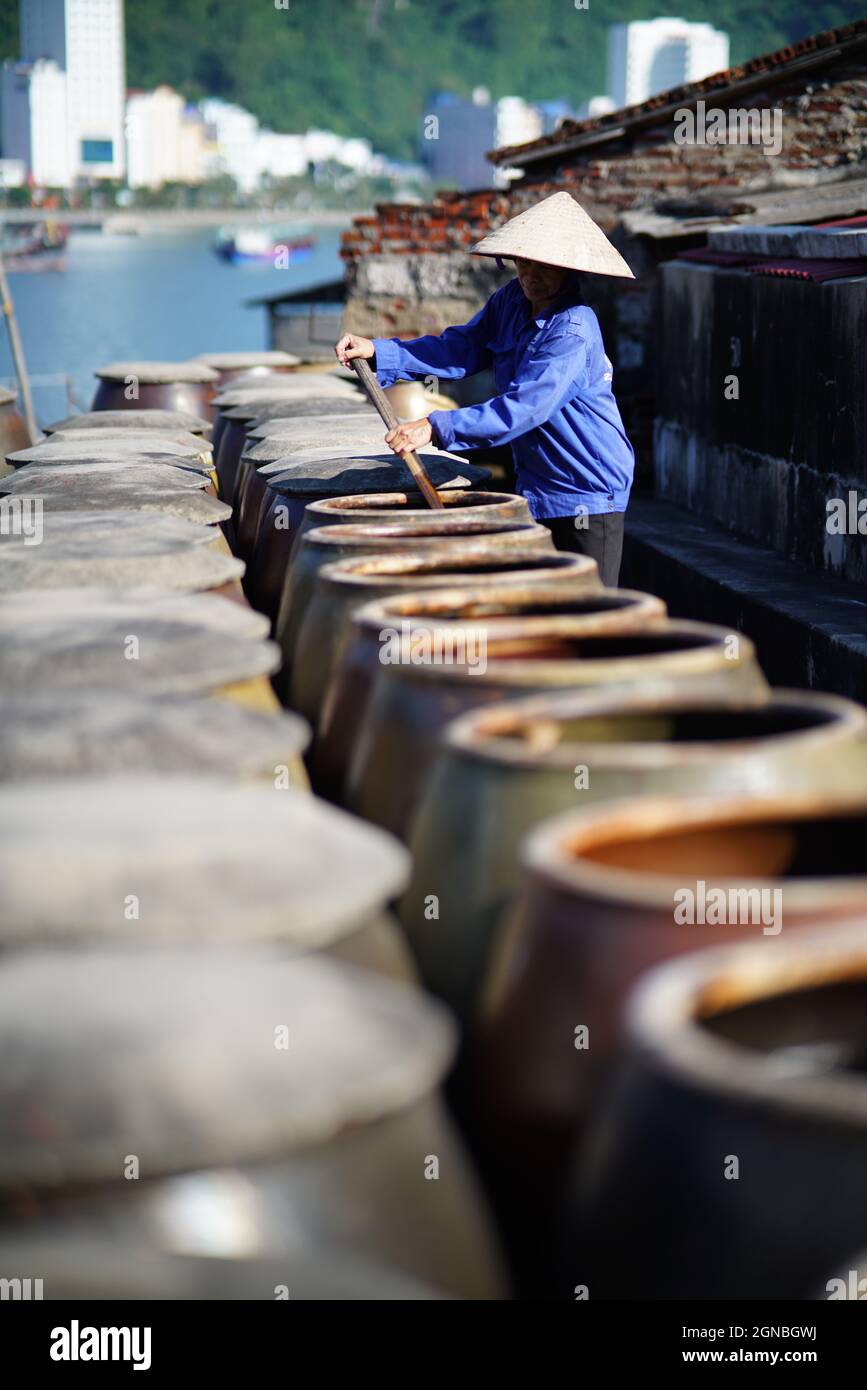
x: 17, y: 353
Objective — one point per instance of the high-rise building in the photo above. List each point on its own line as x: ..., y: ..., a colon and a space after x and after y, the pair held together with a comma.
x: 82, y: 41
x: 650, y: 55
x: 458, y: 132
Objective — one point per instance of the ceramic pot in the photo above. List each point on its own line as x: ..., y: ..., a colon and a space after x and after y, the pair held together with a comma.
x: 185, y: 386
x: 343, y: 588
x: 682, y: 651
x: 611, y: 892
x: 265, y: 1105
x: 319, y: 475
x: 485, y: 648
x: 738, y: 1120
x: 501, y: 771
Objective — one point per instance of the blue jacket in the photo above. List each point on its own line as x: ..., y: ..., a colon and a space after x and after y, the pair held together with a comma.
x: 556, y: 407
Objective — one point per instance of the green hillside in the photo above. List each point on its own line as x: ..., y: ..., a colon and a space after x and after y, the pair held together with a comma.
x: 368, y: 67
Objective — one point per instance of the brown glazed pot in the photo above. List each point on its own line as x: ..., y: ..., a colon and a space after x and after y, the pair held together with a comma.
x: 285, y: 441
x: 428, y: 697
x: 343, y: 588
x: 314, y: 477
x: 348, y: 469
x: 448, y: 534
x: 13, y: 429
x: 603, y: 902
x: 274, y: 1105
x: 288, y: 404
x: 751, y: 1055
x: 267, y: 388
x: 502, y: 770
x: 186, y: 386
x: 409, y: 684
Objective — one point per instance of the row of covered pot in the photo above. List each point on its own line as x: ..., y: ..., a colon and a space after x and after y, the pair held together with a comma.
x: 222, y: 1078
x: 589, y: 791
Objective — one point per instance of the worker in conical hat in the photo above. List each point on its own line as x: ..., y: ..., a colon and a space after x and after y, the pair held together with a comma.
x: 555, y: 405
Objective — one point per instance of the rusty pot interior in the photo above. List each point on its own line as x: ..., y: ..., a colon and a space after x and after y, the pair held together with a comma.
x: 820, y: 843
x: 536, y: 602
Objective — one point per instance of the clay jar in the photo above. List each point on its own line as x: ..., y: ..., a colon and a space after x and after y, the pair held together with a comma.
x: 502, y: 770
x: 275, y: 496
x: 274, y: 1106
x: 286, y: 402
x: 455, y: 630
x: 608, y: 893
x: 429, y: 696
x: 323, y: 474
x: 185, y: 386
x: 734, y: 1142
x: 282, y: 442
x: 13, y: 429
x: 343, y: 588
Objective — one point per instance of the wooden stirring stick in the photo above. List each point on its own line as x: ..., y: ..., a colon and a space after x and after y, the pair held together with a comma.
x: 410, y: 458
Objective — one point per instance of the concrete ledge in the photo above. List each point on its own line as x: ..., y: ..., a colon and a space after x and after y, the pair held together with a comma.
x: 810, y: 631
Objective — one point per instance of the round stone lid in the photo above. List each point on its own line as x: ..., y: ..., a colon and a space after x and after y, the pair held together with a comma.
x: 175, y: 1057
x: 110, y: 527
x: 7, y: 397
x: 344, y: 474
x: 42, y: 479
x: 228, y: 361
x: 76, y: 1264
x: 208, y: 611
x: 158, y: 373
x: 140, y: 646
x: 71, y: 558
x: 289, y: 387
x: 299, y: 406
x: 286, y: 446
x: 208, y: 859
x: 87, y: 448
x: 124, y: 494
x: 339, y: 424
x: 131, y: 420
x: 71, y: 734
x: 147, y: 441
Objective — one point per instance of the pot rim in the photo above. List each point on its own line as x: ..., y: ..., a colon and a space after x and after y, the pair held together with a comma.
x: 390, y: 502
x: 467, y: 734
x: 632, y: 605
x: 550, y: 852
x: 350, y: 573
x: 372, y: 535
x: 663, y: 1019
x: 703, y: 658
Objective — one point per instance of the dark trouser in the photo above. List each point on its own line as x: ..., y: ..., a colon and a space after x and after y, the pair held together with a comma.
x: 600, y: 537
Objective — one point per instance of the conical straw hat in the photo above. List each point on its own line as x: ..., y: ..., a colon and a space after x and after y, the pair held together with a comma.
x: 556, y: 231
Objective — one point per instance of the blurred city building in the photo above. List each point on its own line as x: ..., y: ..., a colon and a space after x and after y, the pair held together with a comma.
x: 63, y: 103
x: 652, y: 55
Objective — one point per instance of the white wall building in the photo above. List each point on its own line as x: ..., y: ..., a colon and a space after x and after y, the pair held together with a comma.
x: 85, y: 39
x: 649, y: 56
x: 34, y: 114
x: 153, y: 137
x: 236, y: 134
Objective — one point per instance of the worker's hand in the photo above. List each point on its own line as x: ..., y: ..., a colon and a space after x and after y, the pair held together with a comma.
x: 351, y: 345
x: 412, y: 435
